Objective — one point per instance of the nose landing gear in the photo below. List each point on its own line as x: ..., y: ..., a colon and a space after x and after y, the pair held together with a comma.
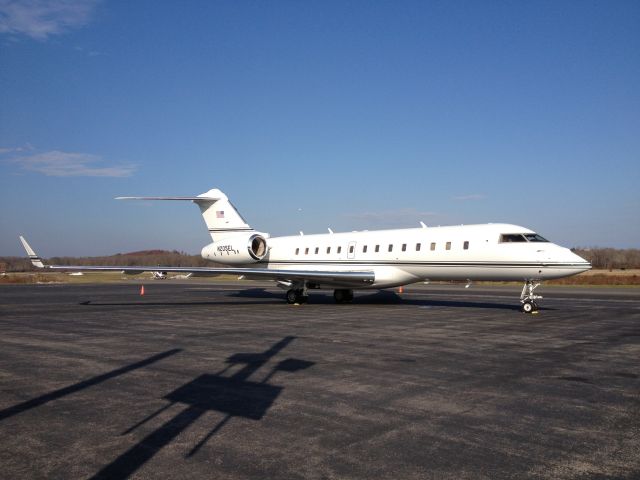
x: 528, y: 297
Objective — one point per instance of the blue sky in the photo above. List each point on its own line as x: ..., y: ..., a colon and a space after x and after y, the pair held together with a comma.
x: 349, y: 115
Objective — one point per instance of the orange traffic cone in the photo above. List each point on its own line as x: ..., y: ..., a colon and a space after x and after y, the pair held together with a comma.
x: 142, y: 290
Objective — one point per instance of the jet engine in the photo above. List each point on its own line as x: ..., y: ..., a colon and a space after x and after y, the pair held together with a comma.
x: 238, y: 249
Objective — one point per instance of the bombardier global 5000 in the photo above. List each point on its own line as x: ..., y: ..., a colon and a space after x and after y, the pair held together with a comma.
x: 368, y: 259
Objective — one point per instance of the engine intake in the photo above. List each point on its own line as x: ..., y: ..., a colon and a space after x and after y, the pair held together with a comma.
x: 257, y: 246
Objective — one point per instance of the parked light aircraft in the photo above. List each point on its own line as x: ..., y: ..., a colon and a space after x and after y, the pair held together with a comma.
x: 368, y: 259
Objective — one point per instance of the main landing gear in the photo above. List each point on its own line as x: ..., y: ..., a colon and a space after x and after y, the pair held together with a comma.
x: 528, y: 298
x: 343, y: 295
x: 297, y: 295
x: 300, y: 295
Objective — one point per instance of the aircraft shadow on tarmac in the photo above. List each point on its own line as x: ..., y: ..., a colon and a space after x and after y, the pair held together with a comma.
x: 255, y: 296
x: 76, y: 387
x: 379, y: 297
x: 232, y: 395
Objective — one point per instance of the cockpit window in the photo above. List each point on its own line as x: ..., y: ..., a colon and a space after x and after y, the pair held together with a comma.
x: 512, y: 238
x: 521, y: 238
x: 534, y: 237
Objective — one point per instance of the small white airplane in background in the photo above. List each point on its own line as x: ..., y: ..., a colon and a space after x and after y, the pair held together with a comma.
x: 365, y: 260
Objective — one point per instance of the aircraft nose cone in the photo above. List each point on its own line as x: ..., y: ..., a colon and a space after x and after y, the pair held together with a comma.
x: 574, y: 261
x: 580, y: 262
x: 562, y: 262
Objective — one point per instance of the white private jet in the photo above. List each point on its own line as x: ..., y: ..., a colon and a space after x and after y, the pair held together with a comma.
x: 365, y: 260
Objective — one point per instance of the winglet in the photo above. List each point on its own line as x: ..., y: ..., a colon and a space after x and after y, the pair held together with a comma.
x: 35, y: 259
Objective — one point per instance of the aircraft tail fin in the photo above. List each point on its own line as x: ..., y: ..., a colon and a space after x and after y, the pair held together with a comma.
x: 219, y: 214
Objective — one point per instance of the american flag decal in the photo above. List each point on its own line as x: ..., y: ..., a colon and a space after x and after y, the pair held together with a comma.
x: 220, y: 214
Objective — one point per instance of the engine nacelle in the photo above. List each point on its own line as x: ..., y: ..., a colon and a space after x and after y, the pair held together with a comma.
x: 237, y: 249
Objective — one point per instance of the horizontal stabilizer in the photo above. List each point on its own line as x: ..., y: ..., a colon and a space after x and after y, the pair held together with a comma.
x: 193, y: 199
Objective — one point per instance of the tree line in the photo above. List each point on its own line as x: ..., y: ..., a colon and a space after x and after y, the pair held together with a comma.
x: 610, y: 258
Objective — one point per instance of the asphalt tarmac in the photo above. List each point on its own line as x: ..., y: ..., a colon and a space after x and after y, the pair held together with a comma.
x: 227, y: 381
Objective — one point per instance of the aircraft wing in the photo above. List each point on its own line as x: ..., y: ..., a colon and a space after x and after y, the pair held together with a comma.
x: 341, y: 278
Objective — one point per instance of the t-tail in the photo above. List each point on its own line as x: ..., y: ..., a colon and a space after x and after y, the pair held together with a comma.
x: 234, y: 241
x: 220, y: 216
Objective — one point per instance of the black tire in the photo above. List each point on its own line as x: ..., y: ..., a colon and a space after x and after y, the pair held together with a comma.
x: 342, y: 295
x: 529, y: 307
x: 292, y: 296
x: 296, y: 296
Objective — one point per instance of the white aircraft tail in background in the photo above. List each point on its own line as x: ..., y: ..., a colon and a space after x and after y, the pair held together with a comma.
x: 368, y: 259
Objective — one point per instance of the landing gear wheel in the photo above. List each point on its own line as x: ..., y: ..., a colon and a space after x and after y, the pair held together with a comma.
x: 529, y: 307
x: 528, y: 297
x: 291, y: 296
x: 343, y: 295
x: 296, y: 296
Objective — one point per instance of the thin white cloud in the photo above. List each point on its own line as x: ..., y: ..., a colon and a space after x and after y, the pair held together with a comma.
x: 89, y: 53
x: 473, y: 196
x: 39, y: 19
x: 5, y: 150
x: 63, y: 164
x: 391, y: 218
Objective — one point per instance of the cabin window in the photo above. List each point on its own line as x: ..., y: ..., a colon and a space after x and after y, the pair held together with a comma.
x: 377, y: 248
x: 339, y: 249
x: 465, y: 245
x: 328, y: 250
x: 306, y: 251
x: 433, y: 245
x: 404, y: 247
x: 364, y: 249
x: 317, y: 250
x: 391, y: 247
x: 512, y: 238
x: 297, y: 251
x: 351, y: 249
x: 448, y: 246
x: 418, y: 247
